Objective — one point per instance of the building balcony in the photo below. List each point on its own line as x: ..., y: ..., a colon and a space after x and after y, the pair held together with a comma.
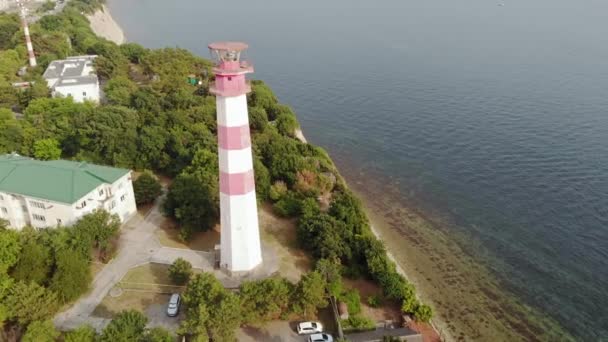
x: 237, y: 90
x: 233, y: 68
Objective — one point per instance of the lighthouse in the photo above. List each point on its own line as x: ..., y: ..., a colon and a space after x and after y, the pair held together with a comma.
x: 240, y: 249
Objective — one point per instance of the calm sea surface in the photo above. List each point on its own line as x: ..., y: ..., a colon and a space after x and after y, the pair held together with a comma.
x: 493, y: 113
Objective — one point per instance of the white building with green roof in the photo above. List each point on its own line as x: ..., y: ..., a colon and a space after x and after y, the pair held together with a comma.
x: 59, y: 192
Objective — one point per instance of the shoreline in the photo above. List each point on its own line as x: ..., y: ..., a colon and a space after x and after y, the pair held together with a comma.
x: 436, y: 265
x: 103, y: 24
x: 469, y: 301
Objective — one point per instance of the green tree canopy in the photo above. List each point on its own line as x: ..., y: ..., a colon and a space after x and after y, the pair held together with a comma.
x: 10, y: 247
x: 41, y: 331
x: 30, y: 302
x: 146, y: 188
x: 310, y: 294
x: 127, y: 326
x: 84, y: 333
x: 47, y: 149
x: 193, y: 198
x: 180, y: 271
x: 72, y: 275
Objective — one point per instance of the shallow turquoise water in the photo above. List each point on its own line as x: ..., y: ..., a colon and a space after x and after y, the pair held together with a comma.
x: 495, y: 117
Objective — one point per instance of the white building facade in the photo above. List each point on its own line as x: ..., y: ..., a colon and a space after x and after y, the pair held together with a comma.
x: 73, y: 77
x: 46, y: 194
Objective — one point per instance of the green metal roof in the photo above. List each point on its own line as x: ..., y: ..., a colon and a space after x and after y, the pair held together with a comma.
x: 55, y: 180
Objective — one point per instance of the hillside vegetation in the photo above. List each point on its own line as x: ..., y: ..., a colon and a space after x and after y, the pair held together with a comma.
x: 154, y: 119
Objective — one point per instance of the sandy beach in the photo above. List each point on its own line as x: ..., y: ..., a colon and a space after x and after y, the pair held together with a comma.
x: 105, y: 26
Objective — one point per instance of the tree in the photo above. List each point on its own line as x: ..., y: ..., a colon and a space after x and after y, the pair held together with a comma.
x: 111, y: 135
x: 193, y: 198
x: 265, y: 300
x: 310, y: 294
x: 40, y: 331
x: 212, y: 306
x: 287, y: 123
x: 180, y: 271
x: 127, y: 326
x: 84, y: 333
x: 133, y: 51
x: 195, y: 323
x: 72, y: 275
x: 96, y: 229
x: 47, y: 149
x: 325, y: 236
x: 118, y: 91
x: 30, y: 302
x: 225, y: 318
x: 331, y: 271
x: 10, y: 247
x: 147, y: 188
x: 158, y: 335
x: 35, y: 261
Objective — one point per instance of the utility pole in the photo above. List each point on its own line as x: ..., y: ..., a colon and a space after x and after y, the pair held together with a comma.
x: 26, y: 31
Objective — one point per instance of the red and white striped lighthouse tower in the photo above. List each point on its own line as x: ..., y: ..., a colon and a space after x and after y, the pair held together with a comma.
x: 26, y: 32
x: 240, y: 236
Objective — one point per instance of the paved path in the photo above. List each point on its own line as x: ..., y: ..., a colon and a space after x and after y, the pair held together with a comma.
x: 139, y: 245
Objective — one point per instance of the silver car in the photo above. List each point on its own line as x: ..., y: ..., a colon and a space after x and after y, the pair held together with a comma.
x: 321, y: 338
x: 173, y: 306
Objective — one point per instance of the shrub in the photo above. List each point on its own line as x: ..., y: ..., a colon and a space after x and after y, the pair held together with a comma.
x: 352, y: 299
x: 374, y: 301
x: 40, y: 331
x: 180, y: 271
x: 358, y: 323
x: 146, y: 188
x: 423, y: 313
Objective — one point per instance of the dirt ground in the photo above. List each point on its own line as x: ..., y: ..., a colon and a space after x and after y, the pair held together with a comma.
x: 280, y: 233
x: 168, y: 236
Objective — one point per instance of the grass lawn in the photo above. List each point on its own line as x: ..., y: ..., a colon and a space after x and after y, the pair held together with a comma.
x: 142, y: 287
x: 168, y: 236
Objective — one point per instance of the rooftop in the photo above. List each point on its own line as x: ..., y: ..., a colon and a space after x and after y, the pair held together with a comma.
x: 72, y: 70
x: 55, y: 180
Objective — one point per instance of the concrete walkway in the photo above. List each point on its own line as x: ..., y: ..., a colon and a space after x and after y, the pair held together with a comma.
x: 139, y: 245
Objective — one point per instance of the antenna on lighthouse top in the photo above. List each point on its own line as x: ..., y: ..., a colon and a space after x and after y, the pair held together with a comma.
x: 26, y: 32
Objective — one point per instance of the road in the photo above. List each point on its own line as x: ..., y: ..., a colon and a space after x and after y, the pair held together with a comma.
x: 139, y: 245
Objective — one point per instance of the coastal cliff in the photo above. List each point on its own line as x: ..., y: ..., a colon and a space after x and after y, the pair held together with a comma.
x: 105, y: 26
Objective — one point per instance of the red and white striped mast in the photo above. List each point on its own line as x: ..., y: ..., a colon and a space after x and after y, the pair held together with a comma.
x: 240, y: 249
x: 26, y: 31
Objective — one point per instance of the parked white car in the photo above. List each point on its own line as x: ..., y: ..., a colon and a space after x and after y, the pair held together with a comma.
x: 173, y: 306
x: 320, y: 338
x: 305, y: 328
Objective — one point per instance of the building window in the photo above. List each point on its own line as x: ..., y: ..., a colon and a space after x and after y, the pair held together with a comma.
x: 39, y: 217
x: 1, y: 198
x: 37, y: 204
x: 59, y: 222
x: 83, y: 204
x: 100, y: 192
x: 84, y: 93
x: 122, y: 198
x: 112, y: 205
x: 4, y: 211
